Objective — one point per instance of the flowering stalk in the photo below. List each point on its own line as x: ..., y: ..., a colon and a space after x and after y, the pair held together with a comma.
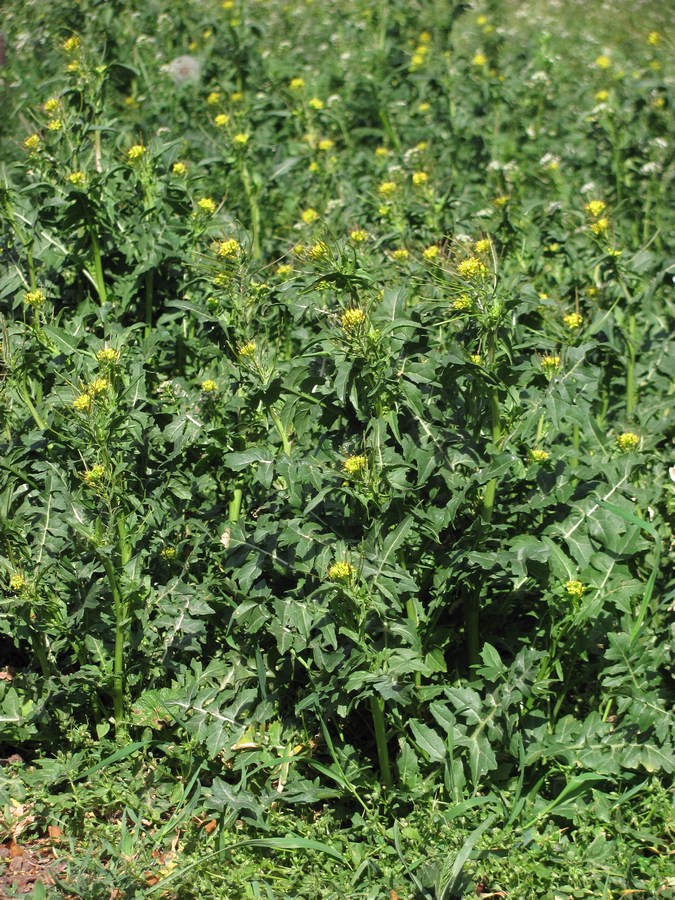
x: 377, y: 710
x: 283, y: 434
x: 256, y: 252
x: 98, y: 265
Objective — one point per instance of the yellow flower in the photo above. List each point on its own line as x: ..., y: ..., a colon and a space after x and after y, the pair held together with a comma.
x: 358, y: 236
x: 481, y: 246
x: 236, y: 97
x: 472, y: 268
x: 602, y: 96
x: 654, y: 38
x: 136, y: 152
x: 209, y: 386
x: 550, y: 364
x: 73, y: 66
x: 417, y: 60
x: 228, y: 249
x: 206, y: 206
x: 539, y: 455
x: 627, y: 441
x: 168, y: 553
x: 481, y: 20
x: 77, y: 179
x: 241, y: 139
x: 108, y: 357
x: 595, y: 208
x: 313, y: 167
x: 424, y: 107
x: 17, y: 582
x: 221, y: 120
x: 462, y: 303
x: 326, y: 144
x: 352, y: 319
x: 51, y: 106
x: 381, y: 152
x: 94, y: 476
x: 573, y: 320
x: 296, y: 84
x: 601, y: 226
x: 309, y: 216
x: 501, y: 200
x: 315, y: 103
x: 34, y: 298
x: 284, y: 269
x: 341, y: 571
x: 476, y: 359
x: 425, y: 38
x: 479, y: 59
x: 387, y: 188
x: 71, y: 44
x: 98, y: 386
x: 179, y: 168
x: 431, y: 252
x: 55, y: 124
x: 247, y: 349
x: 575, y: 589
x: 213, y: 98
x: 318, y: 250
x: 603, y: 62
x: 354, y: 464
x: 32, y: 143
x: 400, y: 255
x: 82, y: 403
x: 419, y: 178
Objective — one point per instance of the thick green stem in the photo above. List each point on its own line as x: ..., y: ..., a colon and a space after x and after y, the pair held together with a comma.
x: 39, y: 648
x: 377, y: 709
x: 412, y: 618
x: 235, y: 505
x: 149, y: 298
x: 98, y: 265
x: 254, y: 208
x: 631, y: 386
x: 279, y: 425
x: 118, y: 654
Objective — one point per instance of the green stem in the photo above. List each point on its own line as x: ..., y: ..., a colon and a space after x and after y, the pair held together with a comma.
x: 235, y: 505
x: 414, y: 624
x: 254, y: 208
x: 39, y: 421
x: 631, y: 386
x: 279, y: 425
x: 377, y: 710
x: 37, y: 641
x: 98, y: 265
x: 574, y: 461
x: 149, y: 297
x: 118, y: 655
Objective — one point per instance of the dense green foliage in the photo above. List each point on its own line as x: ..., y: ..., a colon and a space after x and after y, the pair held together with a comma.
x: 336, y: 413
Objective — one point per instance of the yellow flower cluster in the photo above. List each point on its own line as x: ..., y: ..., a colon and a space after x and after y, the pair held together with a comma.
x: 400, y: 254
x: 603, y: 62
x: 168, y: 553
x: 34, y: 298
x: 228, y: 249
x: 627, y: 441
x: 387, y: 188
x: 482, y: 246
x: 325, y: 145
x: 354, y: 464
x: 32, y: 143
x: 296, y: 84
x: 476, y: 359
x: 206, y: 206
x: 358, y: 236
x: 94, y: 476
x: 419, y: 56
x: 420, y: 178
x: 209, y: 386
x: 221, y: 120
x: 98, y: 386
x: 136, y: 152
x: 472, y: 268
x: 315, y: 103
x: 77, y: 179
x: 352, y: 319
x: 479, y: 59
x: 573, y: 320
x: 309, y: 216
x: 106, y: 356
x: 213, y: 98
x: 284, y: 269
x: 575, y: 589
x: 82, y: 403
x: 341, y: 571
x: 179, y: 168
x: 318, y: 250
x: 71, y: 44
x: 431, y: 253
x: 246, y: 350
x: 462, y: 303
x: 601, y: 226
x: 550, y: 364
x: 595, y: 208
x: 539, y: 455
x: 17, y: 582
x: 241, y: 139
